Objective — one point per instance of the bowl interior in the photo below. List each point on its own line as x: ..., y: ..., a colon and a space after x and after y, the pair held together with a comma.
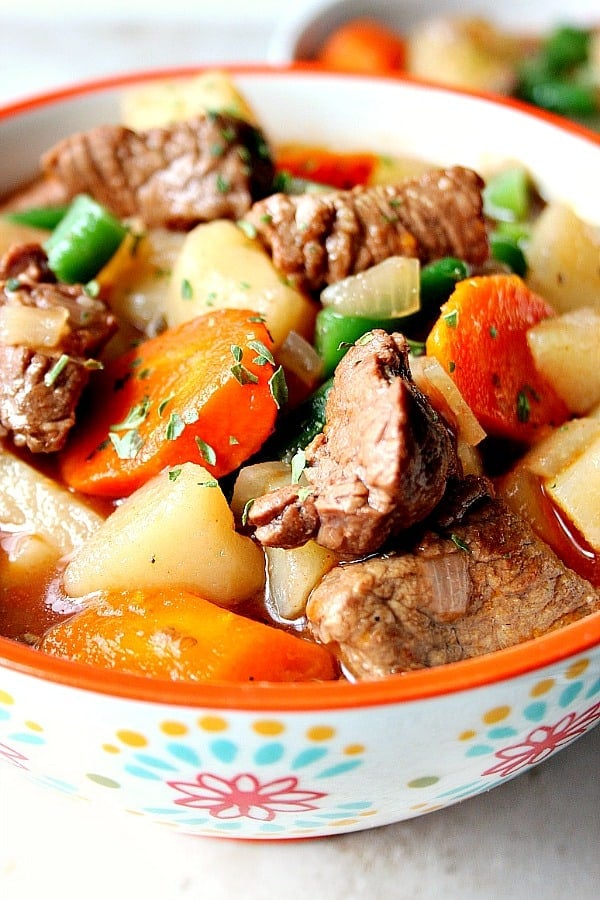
x: 396, y: 116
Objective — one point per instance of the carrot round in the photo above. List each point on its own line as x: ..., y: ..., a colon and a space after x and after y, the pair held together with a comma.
x: 339, y: 170
x: 199, y: 392
x: 480, y: 338
x: 178, y: 635
x: 363, y: 45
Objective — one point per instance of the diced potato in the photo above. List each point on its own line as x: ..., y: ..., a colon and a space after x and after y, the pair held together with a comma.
x: 176, y: 530
x: 566, y: 350
x: 32, y: 503
x: 394, y: 169
x: 13, y: 233
x: 464, y: 52
x: 221, y: 267
x: 564, y: 259
x: 294, y: 573
x: 161, y: 102
x: 567, y: 465
x: 576, y: 491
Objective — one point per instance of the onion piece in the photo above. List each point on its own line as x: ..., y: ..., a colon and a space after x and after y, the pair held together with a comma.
x: 388, y: 290
x: 448, y: 576
x: 430, y: 376
x: 299, y: 356
x: 30, y: 326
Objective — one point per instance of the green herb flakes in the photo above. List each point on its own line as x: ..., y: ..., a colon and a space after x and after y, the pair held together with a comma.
x: 187, y: 291
x: 136, y: 415
x: 458, y: 541
x: 451, y: 318
x: 298, y: 465
x: 264, y: 354
x: 278, y: 387
x: 128, y: 445
x: 53, y: 373
x: 175, y: 427
x: 243, y: 375
x: 206, y: 452
x: 247, y: 507
x: 174, y: 474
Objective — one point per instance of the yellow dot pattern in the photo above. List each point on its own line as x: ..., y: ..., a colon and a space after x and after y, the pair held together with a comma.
x: 577, y: 668
x: 174, y: 729
x: 33, y: 726
x: 496, y: 715
x: 467, y: 735
x: 268, y: 727
x: 320, y: 733
x: 354, y: 749
x: 132, y: 738
x: 110, y: 748
x: 6, y: 698
x: 213, y: 723
x: 542, y: 687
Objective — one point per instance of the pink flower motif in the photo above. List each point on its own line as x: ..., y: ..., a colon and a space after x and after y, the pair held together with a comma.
x: 543, y: 741
x: 13, y: 756
x: 244, y: 796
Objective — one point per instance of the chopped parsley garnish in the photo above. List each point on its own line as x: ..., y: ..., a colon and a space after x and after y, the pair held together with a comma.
x: 128, y: 445
x: 264, y: 354
x: 451, y: 318
x: 175, y: 427
x: 206, y: 451
x: 209, y: 484
x: 134, y: 417
x: 53, y: 373
x: 247, y: 507
x: 163, y: 403
x: 223, y: 186
x: 187, y: 291
x: 458, y: 541
x: 247, y: 227
x: 298, y: 465
x: 237, y: 352
x: 278, y: 387
x: 243, y: 375
x: 174, y: 474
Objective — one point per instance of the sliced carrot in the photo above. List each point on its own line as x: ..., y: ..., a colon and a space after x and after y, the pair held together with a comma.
x: 339, y: 170
x: 480, y: 338
x: 178, y: 635
x: 363, y: 45
x: 199, y: 392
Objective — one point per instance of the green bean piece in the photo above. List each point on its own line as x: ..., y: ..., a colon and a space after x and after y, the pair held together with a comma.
x: 567, y: 98
x: 506, y: 196
x: 46, y: 217
x: 83, y: 241
x: 298, y: 427
x: 566, y: 47
x: 506, y: 250
x: 335, y: 333
x: 438, y: 279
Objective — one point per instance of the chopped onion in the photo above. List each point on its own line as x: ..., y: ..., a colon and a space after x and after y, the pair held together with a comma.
x: 255, y: 480
x: 388, y: 290
x: 30, y: 326
x: 297, y: 355
x: 450, y: 585
x: 434, y: 381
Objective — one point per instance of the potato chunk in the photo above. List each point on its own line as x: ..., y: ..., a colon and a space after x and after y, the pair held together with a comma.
x: 221, y: 267
x: 566, y: 350
x: 161, y: 102
x: 564, y: 259
x: 177, y: 530
x: 31, y: 503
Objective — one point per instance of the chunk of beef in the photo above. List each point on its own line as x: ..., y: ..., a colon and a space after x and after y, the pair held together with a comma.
x: 41, y: 386
x: 380, y: 465
x: 212, y: 166
x: 316, y: 239
x: 488, y: 585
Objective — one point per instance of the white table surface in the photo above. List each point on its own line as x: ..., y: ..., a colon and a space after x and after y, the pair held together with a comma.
x: 537, y: 836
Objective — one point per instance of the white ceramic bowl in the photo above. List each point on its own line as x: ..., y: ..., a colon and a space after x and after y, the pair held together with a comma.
x: 300, y: 33
x: 291, y: 761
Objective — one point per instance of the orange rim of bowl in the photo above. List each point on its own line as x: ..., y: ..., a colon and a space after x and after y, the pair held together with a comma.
x: 528, y: 657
